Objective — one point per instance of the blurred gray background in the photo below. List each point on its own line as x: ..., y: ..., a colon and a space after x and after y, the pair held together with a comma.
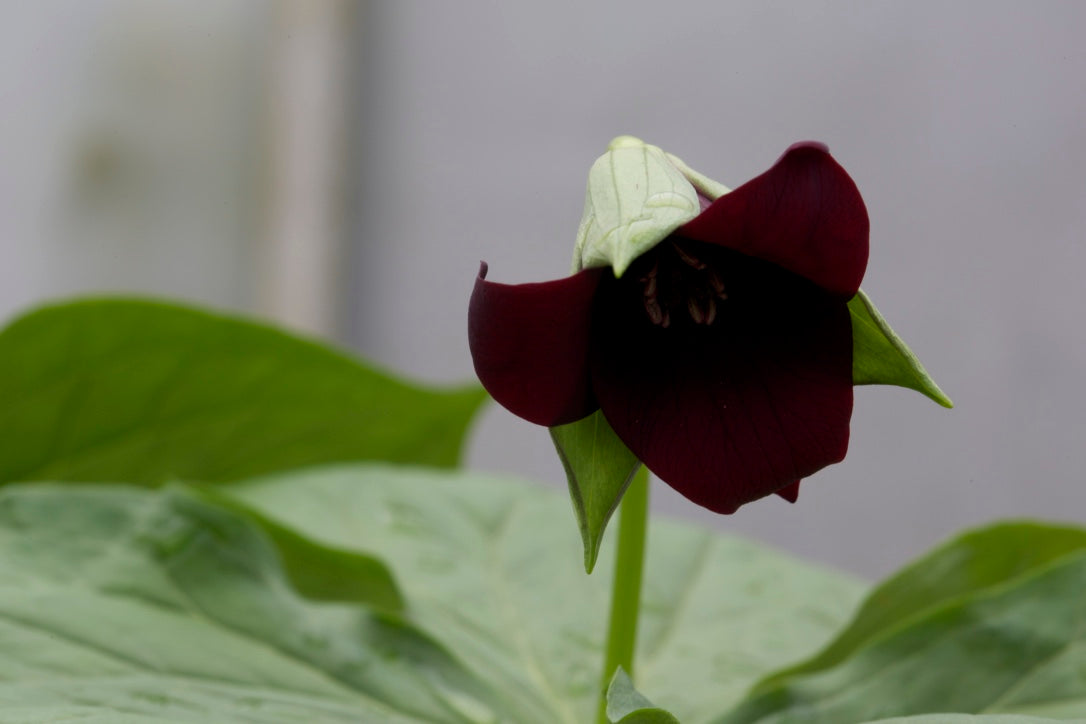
x: 342, y: 168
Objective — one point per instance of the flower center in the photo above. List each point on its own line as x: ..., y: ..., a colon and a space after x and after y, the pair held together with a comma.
x: 680, y: 283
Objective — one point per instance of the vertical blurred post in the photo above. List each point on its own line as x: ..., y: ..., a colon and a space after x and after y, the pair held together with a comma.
x: 299, y: 273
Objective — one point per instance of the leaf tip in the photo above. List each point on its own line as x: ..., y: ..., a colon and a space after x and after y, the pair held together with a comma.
x: 934, y: 393
x: 591, y: 553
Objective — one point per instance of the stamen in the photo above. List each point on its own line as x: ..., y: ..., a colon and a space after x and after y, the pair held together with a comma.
x: 676, y: 279
x: 694, y: 310
x: 710, y: 312
x: 702, y: 311
x: 656, y: 314
x: 649, y: 289
x: 717, y: 284
x: 688, y: 258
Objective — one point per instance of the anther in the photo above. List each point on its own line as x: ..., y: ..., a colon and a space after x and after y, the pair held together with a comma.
x: 697, y: 312
x: 655, y: 312
x: 717, y: 284
x: 689, y: 259
x: 701, y: 311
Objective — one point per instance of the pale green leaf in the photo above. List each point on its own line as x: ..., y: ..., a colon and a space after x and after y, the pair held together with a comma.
x: 880, y: 357
x: 599, y: 468
x: 144, y: 392
x: 625, y: 705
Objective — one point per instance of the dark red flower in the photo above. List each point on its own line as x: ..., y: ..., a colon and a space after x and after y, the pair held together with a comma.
x: 722, y: 356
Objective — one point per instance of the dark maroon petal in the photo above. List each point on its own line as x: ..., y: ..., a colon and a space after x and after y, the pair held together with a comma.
x: 733, y: 411
x: 790, y: 492
x: 805, y: 214
x: 529, y: 343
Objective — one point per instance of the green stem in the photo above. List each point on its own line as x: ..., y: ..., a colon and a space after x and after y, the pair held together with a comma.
x: 626, y: 587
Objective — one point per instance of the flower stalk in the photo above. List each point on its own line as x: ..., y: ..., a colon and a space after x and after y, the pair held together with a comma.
x: 626, y: 585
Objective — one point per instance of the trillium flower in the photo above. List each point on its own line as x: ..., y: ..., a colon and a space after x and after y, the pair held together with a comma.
x: 711, y: 328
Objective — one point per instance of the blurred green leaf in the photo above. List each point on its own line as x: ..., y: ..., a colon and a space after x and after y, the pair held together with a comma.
x: 599, y: 468
x: 121, y: 390
x: 626, y: 706
x: 163, y: 605
x: 965, y: 719
x: 180, y: 605
x: 880, y: 357
x: 991, y: 623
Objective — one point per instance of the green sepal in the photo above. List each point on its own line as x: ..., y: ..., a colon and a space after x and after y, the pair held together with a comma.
x: 599, y: 468
x: 636, y: 197
x: 625, y: 705
x: 880, y: 357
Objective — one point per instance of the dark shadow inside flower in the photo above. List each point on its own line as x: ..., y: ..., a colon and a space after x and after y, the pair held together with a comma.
x: 729, y: 377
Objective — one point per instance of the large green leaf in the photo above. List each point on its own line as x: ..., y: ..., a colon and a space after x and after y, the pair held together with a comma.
x: 164, y: 605
x: 599, y: 468
x: 880, y: 357
x: 316, y: 571
x: 490, y: 568
x: 184, y: 605
x: 143, y: 392
x: 992, y: 623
